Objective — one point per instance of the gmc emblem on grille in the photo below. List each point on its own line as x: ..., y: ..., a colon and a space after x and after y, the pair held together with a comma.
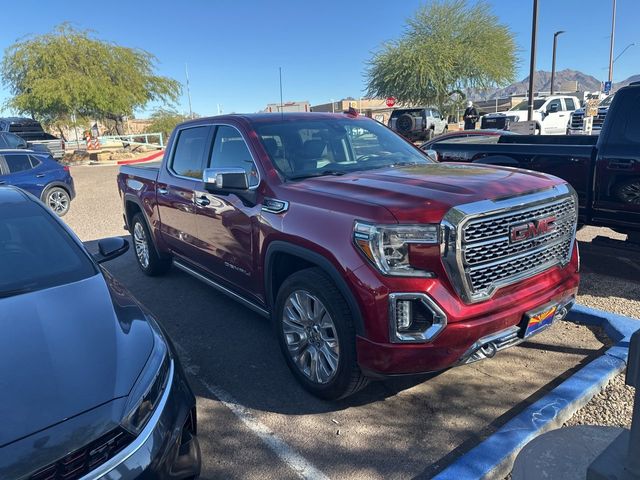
x: 531, y: 230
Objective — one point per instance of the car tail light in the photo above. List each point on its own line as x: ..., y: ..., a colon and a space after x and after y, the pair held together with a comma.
x: 66, y: 168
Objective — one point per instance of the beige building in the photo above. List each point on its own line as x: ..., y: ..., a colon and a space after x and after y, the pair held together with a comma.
x: 288, y: 107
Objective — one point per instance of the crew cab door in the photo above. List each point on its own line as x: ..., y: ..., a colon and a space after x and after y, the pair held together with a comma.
x: 179, y: 178
x: 617, y: 172
x: 555, y: 118
x: 225, y: 220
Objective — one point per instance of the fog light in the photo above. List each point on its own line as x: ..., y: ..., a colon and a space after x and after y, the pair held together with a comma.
x: 414, y: 318
x: 403, y: 315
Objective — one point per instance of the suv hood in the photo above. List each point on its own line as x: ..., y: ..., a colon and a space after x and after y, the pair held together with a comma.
x: 424, y: 193
x: 67, y: 350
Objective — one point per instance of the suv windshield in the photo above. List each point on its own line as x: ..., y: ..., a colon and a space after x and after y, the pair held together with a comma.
x: 317, y: 147
x: 606, y: 102
x: 524, y: 105
x: 35, y: 251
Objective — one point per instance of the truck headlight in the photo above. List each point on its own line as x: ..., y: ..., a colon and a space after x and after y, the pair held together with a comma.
x: 148, y: 390
x: 387, y: 246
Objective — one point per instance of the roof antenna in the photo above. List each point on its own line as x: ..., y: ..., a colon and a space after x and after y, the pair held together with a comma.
x: 281, y: 104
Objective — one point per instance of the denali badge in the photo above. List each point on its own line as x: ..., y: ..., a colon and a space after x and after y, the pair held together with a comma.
x: 531, y: 230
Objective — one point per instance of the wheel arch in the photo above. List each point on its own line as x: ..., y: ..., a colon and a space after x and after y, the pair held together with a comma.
x: 51, y: 185
x: 283, y: 259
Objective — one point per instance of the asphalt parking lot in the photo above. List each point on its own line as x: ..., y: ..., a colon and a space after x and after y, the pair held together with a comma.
x: 256, y: 422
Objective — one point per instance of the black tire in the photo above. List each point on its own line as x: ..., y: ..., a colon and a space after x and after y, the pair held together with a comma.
x: 628, y: 192
x: 347, y: 378
x: 58, y: 200
x: 154, y: 265
x: 405, y: 123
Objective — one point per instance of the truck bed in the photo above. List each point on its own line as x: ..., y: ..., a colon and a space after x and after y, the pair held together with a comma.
x: 148, y: 171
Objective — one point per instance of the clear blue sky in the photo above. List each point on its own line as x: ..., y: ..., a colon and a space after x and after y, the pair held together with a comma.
x: 234, y: 47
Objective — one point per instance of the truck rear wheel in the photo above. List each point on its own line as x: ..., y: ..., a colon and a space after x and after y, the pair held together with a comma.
x: 315, y: 330
x: 146, y: 254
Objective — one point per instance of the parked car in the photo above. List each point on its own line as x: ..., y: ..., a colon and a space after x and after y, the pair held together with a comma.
x: 40, y: 175
x: 604, y: 170
x: 12, y: 142
x: 91, y: 385
x: 551, y: 115
x: 371, y: 259
x: 417, y: 123
x: 32, y: 131
x: 483, y: 136
x: 576, y: 124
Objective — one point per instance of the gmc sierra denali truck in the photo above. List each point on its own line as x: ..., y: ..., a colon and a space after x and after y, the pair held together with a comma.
x: 370, y: 259
x: 604, y: 170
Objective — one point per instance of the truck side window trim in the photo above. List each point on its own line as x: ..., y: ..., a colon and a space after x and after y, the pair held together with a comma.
x: 179, y: 132
x: 241, y: 135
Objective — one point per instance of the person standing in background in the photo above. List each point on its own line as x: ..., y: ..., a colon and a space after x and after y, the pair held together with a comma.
x: 470, y: 116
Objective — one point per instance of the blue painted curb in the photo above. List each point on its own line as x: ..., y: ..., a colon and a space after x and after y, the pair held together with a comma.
x: 494, y: 457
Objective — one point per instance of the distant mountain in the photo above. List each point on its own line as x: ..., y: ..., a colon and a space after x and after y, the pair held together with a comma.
x: 624, y: 83
x: 542, y: 83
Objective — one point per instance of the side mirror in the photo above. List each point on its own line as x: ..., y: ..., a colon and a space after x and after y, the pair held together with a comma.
x: 110, y: 248
x: 225, y: 179
x: 432, y: 154
x: 553, y: 108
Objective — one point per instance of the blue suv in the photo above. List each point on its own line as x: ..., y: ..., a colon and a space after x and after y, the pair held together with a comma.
x: 39, y: 174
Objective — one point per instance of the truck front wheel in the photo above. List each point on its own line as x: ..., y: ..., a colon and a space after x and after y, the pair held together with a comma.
x: 315, y: 330
x: 146, y: 255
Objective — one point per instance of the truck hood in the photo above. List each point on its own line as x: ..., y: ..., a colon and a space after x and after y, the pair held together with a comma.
x: 424, y: 193
x: 65, y: 351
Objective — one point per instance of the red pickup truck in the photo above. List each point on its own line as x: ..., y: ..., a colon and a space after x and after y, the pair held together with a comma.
x: 370, y: 259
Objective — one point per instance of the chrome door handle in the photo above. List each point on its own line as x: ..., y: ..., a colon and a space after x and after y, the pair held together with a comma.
x: 40, y: 175
x: 162, y: 191
x: 202, y: 201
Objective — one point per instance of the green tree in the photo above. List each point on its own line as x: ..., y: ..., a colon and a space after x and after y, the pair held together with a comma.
x: 447, y: 46
x: 68, y: 71
x: 164, y: 121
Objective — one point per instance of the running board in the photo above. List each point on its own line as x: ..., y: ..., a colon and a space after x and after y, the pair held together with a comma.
x: 222, y: 289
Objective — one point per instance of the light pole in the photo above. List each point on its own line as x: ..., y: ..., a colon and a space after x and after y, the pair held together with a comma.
x: 625, y: 49
x: 532, y: 66
x: 553, y: 62
x: 613, y: 36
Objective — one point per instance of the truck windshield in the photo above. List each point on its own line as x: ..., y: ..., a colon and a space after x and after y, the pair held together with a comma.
x: 35, y: 251
x: 524, y: 105
x: 606, y: 102
x: 328, y: 146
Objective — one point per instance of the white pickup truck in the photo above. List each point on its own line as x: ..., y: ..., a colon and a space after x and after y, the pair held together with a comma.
x: 551, y: 114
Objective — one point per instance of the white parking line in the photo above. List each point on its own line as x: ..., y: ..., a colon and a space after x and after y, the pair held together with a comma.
x: 286, y: 453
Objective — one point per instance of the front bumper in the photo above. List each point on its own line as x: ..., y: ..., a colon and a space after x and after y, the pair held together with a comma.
x: 466, y: 324
x: 167, y: 448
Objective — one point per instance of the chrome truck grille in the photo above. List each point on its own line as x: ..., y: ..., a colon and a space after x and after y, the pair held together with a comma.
x: 492, y: 244
x: 577, y: 121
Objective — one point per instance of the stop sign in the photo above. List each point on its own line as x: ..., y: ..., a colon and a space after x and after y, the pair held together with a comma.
x: 391, y: 102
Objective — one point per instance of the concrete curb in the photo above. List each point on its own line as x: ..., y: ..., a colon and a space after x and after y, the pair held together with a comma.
x: 494, y: 457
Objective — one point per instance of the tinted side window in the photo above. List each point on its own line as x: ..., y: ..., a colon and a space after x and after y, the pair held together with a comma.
x: 570, y: 103
x: 13, y: 141
x: 632, y: 128
x: 188, y: 154
x: 18, y: 163
x: 555, y: 102
x: 231, y: 151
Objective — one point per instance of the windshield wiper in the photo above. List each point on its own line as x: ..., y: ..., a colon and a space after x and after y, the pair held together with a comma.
x: 323, y: 173
x: 17, y: 291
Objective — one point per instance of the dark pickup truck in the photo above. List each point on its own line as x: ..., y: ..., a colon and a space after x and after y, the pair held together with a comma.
x: 370, y: 258
x: 604, y: 170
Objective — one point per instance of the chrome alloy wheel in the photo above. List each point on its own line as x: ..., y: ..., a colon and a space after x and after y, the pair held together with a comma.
x: 58, y: 201
x: 142, y: 245
x: 631, y: 193
x: 311, y: 336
